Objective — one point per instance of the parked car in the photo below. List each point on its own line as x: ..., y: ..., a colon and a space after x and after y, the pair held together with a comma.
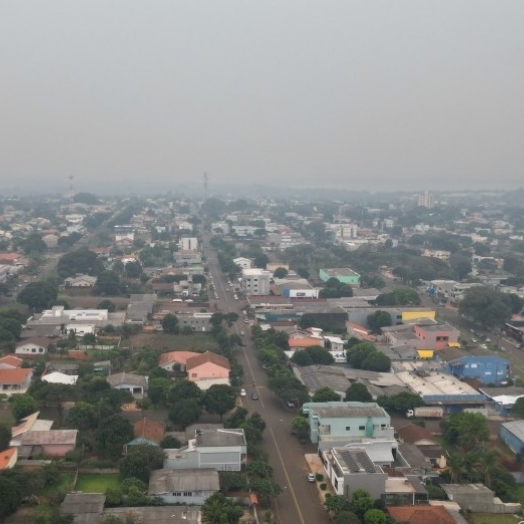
x: 254, y: 395
x: 243, y: 393
x: 311, y: 477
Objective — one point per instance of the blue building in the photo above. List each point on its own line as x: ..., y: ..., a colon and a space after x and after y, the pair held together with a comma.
x: 512, y: 434
x: 485, y: 369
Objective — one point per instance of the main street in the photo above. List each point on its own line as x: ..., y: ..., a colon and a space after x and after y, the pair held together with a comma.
x: 300, y: 501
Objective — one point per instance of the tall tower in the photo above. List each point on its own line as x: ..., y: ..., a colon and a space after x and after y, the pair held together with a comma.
x: 205, y: 186
x: 71, y: 194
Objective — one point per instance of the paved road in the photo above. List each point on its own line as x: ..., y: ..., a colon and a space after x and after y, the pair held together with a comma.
x: 300, y: 501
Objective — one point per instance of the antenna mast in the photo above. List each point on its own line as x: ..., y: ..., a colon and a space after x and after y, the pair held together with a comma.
x: 71, y: 194
x: 205, y: 186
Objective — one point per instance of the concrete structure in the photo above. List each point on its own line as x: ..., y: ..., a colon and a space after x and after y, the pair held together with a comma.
x: 80, y: 281
x: 426, y: 199
x: 183, y: 486
x: 255, y: 281
x: 55, y: 443
x: 296, y: 288
x: 512, y: 434
x: 221, y: 449
x: 196, y: 321
x: 486, y: 369
x: 342, y: 274
x: 435, y: 335
x: 33, y: 346
x: 188, y: 244
x: 346, y: 420
x: 86, y: 508
x: 477, y: 498
x: 15, y: 381
x: 135, y: 384
x: 207, y: 369
x: 243, y: 263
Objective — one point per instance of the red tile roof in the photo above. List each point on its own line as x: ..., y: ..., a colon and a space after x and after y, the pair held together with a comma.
x: 149, y: 429
x: 421, y: 514
x: 5, y: 457
x: 14, y: 376
x: 11, y: 360
x: 176, y: 356
x: 206, y: 357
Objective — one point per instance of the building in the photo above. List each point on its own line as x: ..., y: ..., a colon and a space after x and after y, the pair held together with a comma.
x: 426, y: 199
x: 80, y: 281
x: 220, y: 449
x: 351, y: 469
x: 434, y: 335
x: 197, y: 321
x: 175, y: 360
x: 207, y: 369
x: 255, y: 281
x: 424, y: 440
x: 477, y: 498
x: 55, y: 443
x: 187, y: 258
x: 135, y: 384
x: 14, y: 381
x: 421, y: 514
x: 8, y: 458
x: 188, y: 244
x: 485, y: 369
x: 56, y: 377
x: 346, y: 420
x: 243, y: 263
x: 33, y: 346
x: 296, y: 288
x: 86, y: 508
x: 183, y: 486
x: 512, y: 434
x: 344, y: 275
x: 29, y: 423
x: 10, y: 362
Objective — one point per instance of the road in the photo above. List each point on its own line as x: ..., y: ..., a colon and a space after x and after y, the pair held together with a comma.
x: 300, y: 502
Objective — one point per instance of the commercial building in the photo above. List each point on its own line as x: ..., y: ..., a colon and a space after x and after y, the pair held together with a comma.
x: 188, y: 244
x: 344, y: 275
x: 485, y: 369
x: 512, y: 434
x: 255, y: 281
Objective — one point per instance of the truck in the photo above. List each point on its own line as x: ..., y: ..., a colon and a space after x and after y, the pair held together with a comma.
x: 425, y: 412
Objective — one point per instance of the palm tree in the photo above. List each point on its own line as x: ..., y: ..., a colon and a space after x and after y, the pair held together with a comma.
x: 455, y: 467
x: 488, y: 463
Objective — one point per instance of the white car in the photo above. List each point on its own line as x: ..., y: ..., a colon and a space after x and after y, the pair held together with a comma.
x: 243, y: 393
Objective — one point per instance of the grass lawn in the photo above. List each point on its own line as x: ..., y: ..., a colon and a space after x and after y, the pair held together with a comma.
x: 491, y: 518
x: 520, y: 494
x: 64, y: 483
x: 92, y: 483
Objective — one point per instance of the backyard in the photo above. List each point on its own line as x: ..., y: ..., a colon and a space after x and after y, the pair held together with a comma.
x: 97, y: 483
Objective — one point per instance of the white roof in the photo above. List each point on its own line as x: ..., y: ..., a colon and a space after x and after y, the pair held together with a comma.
x: 60, y: 378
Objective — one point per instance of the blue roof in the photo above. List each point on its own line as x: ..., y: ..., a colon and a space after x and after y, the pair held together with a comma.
x: 471, y: 359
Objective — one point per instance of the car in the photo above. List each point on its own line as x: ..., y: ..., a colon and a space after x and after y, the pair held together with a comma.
x: 254, y: 395
x: 242, y: 333
x: 243, y: 393
x: 246, y: 321
x: 311, y: 477
x: 189, y: 300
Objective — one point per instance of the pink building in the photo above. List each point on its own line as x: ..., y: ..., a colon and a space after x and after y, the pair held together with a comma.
x: 170, y: 361
x: 436, y: 336
x: 207, y: 369
x: 55, y: 443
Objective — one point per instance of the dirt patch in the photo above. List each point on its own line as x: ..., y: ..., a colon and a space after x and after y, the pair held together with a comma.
x: 163, y: 341
x: 90, y: 301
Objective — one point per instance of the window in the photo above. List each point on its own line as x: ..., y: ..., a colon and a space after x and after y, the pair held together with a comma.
x: 348, y: 428
x: 188, y: 493
x: 361, y: 428
x: 33, y: 350
x: 383, y: 426
x: 177, y: 494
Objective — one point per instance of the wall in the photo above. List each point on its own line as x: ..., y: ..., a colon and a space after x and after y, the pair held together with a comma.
x: 57, y: 450
x: 197, y: 497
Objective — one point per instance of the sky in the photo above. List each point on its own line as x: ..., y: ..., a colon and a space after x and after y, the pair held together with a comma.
x: 372, y: 95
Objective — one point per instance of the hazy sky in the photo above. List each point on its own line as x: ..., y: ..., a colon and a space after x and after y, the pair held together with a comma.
x: 366, y: 95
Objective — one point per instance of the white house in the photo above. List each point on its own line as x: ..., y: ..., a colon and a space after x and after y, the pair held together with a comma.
x: 242, y: 263
x: 135, y: 384
x: 33, y: 346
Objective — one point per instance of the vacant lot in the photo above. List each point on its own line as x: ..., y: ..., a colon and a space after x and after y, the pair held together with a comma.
x: 84, y: 300
x: 195, y: 342
x: 92, y: 483
x: 490, y: 518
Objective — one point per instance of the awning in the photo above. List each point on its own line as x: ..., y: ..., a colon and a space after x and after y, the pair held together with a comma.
x: 454, y: 344
x: 425, y: 353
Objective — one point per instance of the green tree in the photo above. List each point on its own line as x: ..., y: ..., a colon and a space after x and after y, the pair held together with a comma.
x: 346, y: 517
x: 361, y: 502
x: 111, y: 435
x: 466, y: 430
x: 185, y: 412
x: 133, y: 269
x: 358, y: 392
x: 158, y: 389
x: 170, y: 442
x: 107, y: 284
x: 34, y: 244
x: 140, y: 461
x: 89, y: 339
x: 486, y: 305
x: 378, y: 320
x: 280, y: 272
x: 518, y: 408
x: 266, y: 489
x: 23, y: 405
x: 300, y: 427
x: 79, y: 261
x: 5, y: 437
x: 336, y: 504
x: 170, y: 324
x: 38, y: 295
x: 232, y: 481
x: 11, y: 497
x: 402, y: 296
x: 325, y: 394
x: 184, y: 390
x: 400, y: 402
x: 374, y: 516
x: 218, y: 509
x: 82, y: 416
x: 259, y: 468
x: 106, y: 304
x: 219, y: 399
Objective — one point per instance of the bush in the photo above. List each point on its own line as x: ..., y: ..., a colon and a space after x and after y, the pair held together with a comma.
x: 323, y: 486
x: 319, y: 477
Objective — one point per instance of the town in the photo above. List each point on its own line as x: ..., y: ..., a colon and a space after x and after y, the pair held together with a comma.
x: 230, y: 359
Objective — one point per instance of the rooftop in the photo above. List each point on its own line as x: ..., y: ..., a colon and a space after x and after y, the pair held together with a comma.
x: 50, y: 437
x: 340, y: 272
x: 221, y: 437
x: 127, y: 378
x: 181, y: 480
x: 5, y: 457
x: 516, y: 427
x: 354, y: 460
x: 80, y: 503
x: 14, y: 376
x: 206, y: 357
x: 149, y: 429
x: 345, y: 409
x: 466, y: 489
x: 176, y: 356
x: 421, y: 514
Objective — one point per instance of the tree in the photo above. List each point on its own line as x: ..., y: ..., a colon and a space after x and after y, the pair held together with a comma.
x: 133, y: 269
x: 313, y: 355
x: 518, y: 408
x: 280, y: 272
x: 89, y: 339
x: 158, y: 389
x: 140, y: 461
x: 106, y: 304
x: 358, y: 392
x: 336, y: 504
x: 170, y: 442
x: 466, y: 430
x: 185, y: 412
x: 38, y: 295
x: 300, y: 427
x: 82, y: 416
x: 23, y: 405
x: 325, y: 394
x: 5, y: 437
x: 516, y: 303
x: 402, y: 296
x: 361, y: 502
x: 80, y: 261
x: 111, y: 435
x: 11, y: 497
x: 107, y: 283
x: 170, y: 324
x: 219, y: 399
x: 374, y: 516
x: 378, y: 320
x: 365, y: 356
x: 346, y: 517
x: 184, y: 390
x: 401, y: 402
x: 34, y: 244
x: 486, y: 305
x: 259, y: 468
x: 218, y: 509
x: 232, y: 481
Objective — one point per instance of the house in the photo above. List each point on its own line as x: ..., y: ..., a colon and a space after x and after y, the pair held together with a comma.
x: 436, y: 335
x: 423, y: 439
x: 242, y: 263
x: 67, y: 368
x: 149, y: 429
x: 421, y: 514
x: 33, y: 346
x: 344, y: 275
x: 183, y: 486
x: 8, y: 458
x: 15, y: 380
x: 346, y: 420
x: 220, y: 449
x: 175, y: 359
x: 135, y: 384
x: 56, y: 377
x: 255, y: 281
x: 512, y: 434
x: 10, y: 259
x: 207, y: 369
x: 86, y: 508
x: 486, y: 369
x: 10, y: 362
x: 477, y: 498
x: 29, y: 423
x: 55, y: 443
x: 80, y: 281
x: 187, y: 258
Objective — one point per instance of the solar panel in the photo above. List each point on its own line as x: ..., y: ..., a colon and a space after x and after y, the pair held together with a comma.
x: 365, y: 461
